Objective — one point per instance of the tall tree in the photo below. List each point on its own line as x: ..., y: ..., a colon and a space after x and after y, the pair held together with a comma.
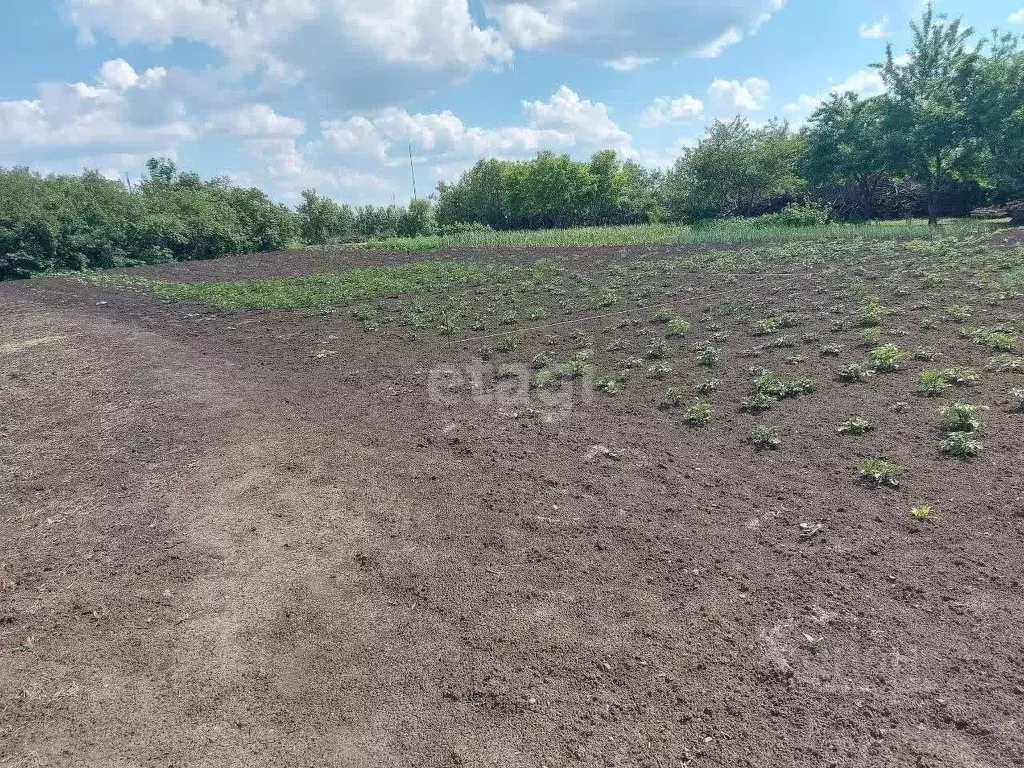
x: 848, y: 145
x: 735, y: 169
x: 928, y: 103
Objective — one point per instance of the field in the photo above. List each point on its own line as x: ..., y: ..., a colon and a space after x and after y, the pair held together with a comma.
x: 688, y: 504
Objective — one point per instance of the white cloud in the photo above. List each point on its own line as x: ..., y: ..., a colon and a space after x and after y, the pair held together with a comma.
x: 526, y: 27
x: 123, y: 112
x: 662, y: 111
x: 618, y: 30
x: 866, y: 83
x: 359, y: 52
x: 587, y: 121
x: 628, y: 63
x: 877, y: 30
x: 1017, y: 17
x: 256, y: 120
x: 564, y: 122
x: 121, y: 109
x: 749, y: 95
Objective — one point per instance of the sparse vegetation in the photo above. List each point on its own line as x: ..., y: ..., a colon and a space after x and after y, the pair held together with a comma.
x: 882, y: 472
x: 887, y: 358
x: 765, y: 437
x: 699, y: 414
x: 856, y: 426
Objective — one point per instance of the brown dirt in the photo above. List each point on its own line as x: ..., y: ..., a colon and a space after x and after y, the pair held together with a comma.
x: 229, y: 552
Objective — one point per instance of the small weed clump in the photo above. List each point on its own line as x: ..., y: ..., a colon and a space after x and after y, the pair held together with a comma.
x: 854, y: 373
x: 871, y: 336
x: 961, y: 445
x: 708, y: 387
x: 1006, y: 363
x: 708, y: 356
x: 674, y: 397
x: 882, y: 472
x: 1017, y: 400
x: 657, y: 350
x: 887, y: 358
x: 922, y: 512
x: 961, y: 417
x: 871, y: 314
x: 958, y: 313
x: 659, y: 370
x: 960, y: 375
x: 678, y: 326
x: 778, y: 388
x: 509, y: 342
x: 996, y: 339
x: 545, y: 380
x: 932, y: 383
x: 856, y: 426
x: 699, y: 414
x: 961, y: 422
x: 765, y: 437
x: 757, y: 402
x: 609, y: 385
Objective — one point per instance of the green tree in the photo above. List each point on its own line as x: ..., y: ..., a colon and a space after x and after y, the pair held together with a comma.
x: 996, y: 105
x: 928, y: 104
x: 734, y: 169
x: 848, y: 144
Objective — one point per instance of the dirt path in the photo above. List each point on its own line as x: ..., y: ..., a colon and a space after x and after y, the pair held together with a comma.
x: 228, y: 552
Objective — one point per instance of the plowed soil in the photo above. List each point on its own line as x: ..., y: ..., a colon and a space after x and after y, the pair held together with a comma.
x: 221, y: 549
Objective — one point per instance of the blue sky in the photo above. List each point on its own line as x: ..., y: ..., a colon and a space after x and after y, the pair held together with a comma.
x: 290, y: 94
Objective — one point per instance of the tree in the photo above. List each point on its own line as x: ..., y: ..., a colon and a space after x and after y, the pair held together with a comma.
x: 928, y: 105
x: 848, y: 144
x: 996, y: 108
x: 735, y: 169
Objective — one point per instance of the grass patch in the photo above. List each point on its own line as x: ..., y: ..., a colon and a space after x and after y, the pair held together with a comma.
x: 326, y: 290
x: 718, y: 232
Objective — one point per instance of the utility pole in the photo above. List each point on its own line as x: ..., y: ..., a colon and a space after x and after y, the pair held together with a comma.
x: 412, y: 169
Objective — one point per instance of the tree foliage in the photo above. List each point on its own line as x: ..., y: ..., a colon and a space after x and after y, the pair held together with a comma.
x: 551, y: 191
x: 735, y: 170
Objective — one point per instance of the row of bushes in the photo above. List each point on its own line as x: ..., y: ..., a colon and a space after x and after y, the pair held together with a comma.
x: 73, y: 223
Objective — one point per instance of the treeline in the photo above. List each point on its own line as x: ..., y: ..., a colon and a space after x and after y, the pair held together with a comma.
x: 946, y: 137
x: 72, y: 223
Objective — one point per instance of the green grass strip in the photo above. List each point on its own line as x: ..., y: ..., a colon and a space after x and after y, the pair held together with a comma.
x: 323, y: 290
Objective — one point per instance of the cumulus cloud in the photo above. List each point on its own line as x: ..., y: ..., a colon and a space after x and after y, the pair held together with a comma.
x: 120, y: 108
x: 256, y: 120
x: 588, y: 121
x: 877, y: 30
x: 866, y: 83
x: 563, y: 122
x: 1017, y: 17
x: 360, y: 53
x: 663, y: 111
x: 631, y: 30
x: 123, y: 111
x: 748, y: 95
x: 371, y: 53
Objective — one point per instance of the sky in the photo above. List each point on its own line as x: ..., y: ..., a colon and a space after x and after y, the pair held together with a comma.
x: 332, y: 94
